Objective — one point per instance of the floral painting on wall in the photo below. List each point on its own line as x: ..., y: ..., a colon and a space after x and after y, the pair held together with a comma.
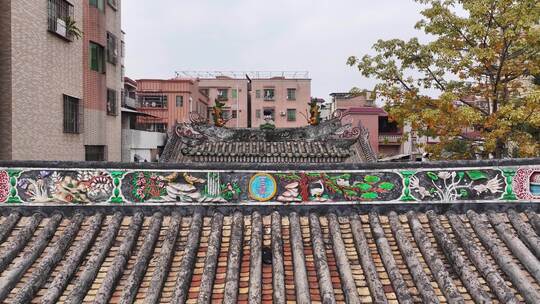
x: 457, y: 185
x: 80, y: 187
x: 4, y: 186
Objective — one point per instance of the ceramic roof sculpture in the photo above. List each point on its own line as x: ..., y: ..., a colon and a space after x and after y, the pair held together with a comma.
x: 328, y: 142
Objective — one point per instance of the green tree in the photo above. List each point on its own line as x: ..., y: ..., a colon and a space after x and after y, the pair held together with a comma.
x: 486, y: 49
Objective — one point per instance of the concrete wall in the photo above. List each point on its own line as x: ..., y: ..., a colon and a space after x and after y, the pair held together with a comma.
x: 102, y: 129
x: 141, y: 143
x: 5, y: 80
x: 44, y: 67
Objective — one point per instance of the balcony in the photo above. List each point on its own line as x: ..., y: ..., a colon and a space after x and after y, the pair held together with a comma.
x: 390, y: 139
x: 131, y: 102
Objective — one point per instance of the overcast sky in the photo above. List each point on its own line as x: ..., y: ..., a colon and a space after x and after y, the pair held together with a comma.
x: 164, y: 36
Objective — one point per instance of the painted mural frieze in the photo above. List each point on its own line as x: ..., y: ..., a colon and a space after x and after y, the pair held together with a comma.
x: 457, y: 185
x: 79, y: 187
x: 179, y: 187
x: 125, y: 186
x: 4, y: 186
x: 324, y: 187
x: 527, y: 183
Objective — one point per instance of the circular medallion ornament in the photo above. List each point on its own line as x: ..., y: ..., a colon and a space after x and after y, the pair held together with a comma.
x: 4, y: 186
x: 262, y: 187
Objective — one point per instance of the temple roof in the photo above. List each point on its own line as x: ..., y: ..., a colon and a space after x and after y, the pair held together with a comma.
x: 195, y: 255
x: 329, y: 142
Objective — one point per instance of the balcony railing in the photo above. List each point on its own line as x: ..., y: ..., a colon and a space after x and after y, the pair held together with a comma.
x: 131, y: 102
x: 390, y: 138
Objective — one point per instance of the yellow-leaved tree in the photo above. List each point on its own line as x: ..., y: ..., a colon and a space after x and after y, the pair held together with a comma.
x: 481, y: 64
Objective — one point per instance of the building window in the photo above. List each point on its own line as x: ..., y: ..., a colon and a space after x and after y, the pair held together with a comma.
x: 270, y: 112
x: 153, y: 101
x: 72, y: 115
x: 258, y: 113
x: 94, y: 153
x: 113, y: 4
x: 112, y: 103
x: 257, y: 93
x: 97, y: 3
x: 291, y: 114
x: 179, y: 101
x: 223, y: 94
x: 291, y: 94
x: 59, y: 13
x: 97, y: 58
x: 234, y: 93
x: 227, y: 114
x: 112, y: 48
x: 269, y: 94
x: 234, y: 114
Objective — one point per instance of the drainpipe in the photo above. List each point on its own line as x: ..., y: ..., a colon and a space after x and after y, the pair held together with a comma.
x: 248, y: 101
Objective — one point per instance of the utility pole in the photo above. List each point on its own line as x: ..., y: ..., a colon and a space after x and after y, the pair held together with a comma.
x: 248, y: 101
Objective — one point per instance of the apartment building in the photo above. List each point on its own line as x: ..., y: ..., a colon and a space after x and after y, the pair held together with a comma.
x: 385, y: 136
x: 248, y: 95
x: 169, y: 101
x: 59, y: 87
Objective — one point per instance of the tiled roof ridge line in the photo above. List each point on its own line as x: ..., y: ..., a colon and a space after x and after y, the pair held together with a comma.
x: 20, y: 240
x: 344, y: 268
x: 495, y: 282
x: 99, y: 254
x: 534, y: 219
x: 468, y: 277
x: 517, y: 247
x: 234, y: 259
x: 119, y: 262
x: 434, y: 263
x: 321, y: 262
x: 141, y: 263
x: 420, y: 278
x: 299, y: 263
x: 185, y: 273
x: 278, y: 272
x: 10, y: 278
x: 255, y: 260
x: 59, y: 283
x: 525, y: 232
x: 366, y: 260
x: 504, y: 261
x: 8, y: 225
x: 211, y: 261
x: 399, y: 285
x: 53, y: 257
x: 164, y: 260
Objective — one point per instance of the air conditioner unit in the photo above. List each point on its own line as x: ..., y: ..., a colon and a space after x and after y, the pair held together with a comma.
x: 282, y: 113
x: 61, y: 27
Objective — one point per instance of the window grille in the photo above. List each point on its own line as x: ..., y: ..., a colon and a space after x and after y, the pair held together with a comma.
x: 73, y: 115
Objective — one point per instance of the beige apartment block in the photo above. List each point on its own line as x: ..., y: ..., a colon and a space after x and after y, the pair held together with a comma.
x: 41, y: 70
x: 54, y: 106
x: 284, y: 95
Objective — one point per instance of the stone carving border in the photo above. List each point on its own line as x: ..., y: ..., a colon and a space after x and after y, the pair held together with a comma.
x: 121, y: 184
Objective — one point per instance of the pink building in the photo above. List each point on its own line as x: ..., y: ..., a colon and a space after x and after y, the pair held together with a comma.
x: 385, y: 136
x: 169, y: 102
x: 283, y: 94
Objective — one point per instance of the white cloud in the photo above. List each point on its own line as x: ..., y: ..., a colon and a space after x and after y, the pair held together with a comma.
x: 164, y: 36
